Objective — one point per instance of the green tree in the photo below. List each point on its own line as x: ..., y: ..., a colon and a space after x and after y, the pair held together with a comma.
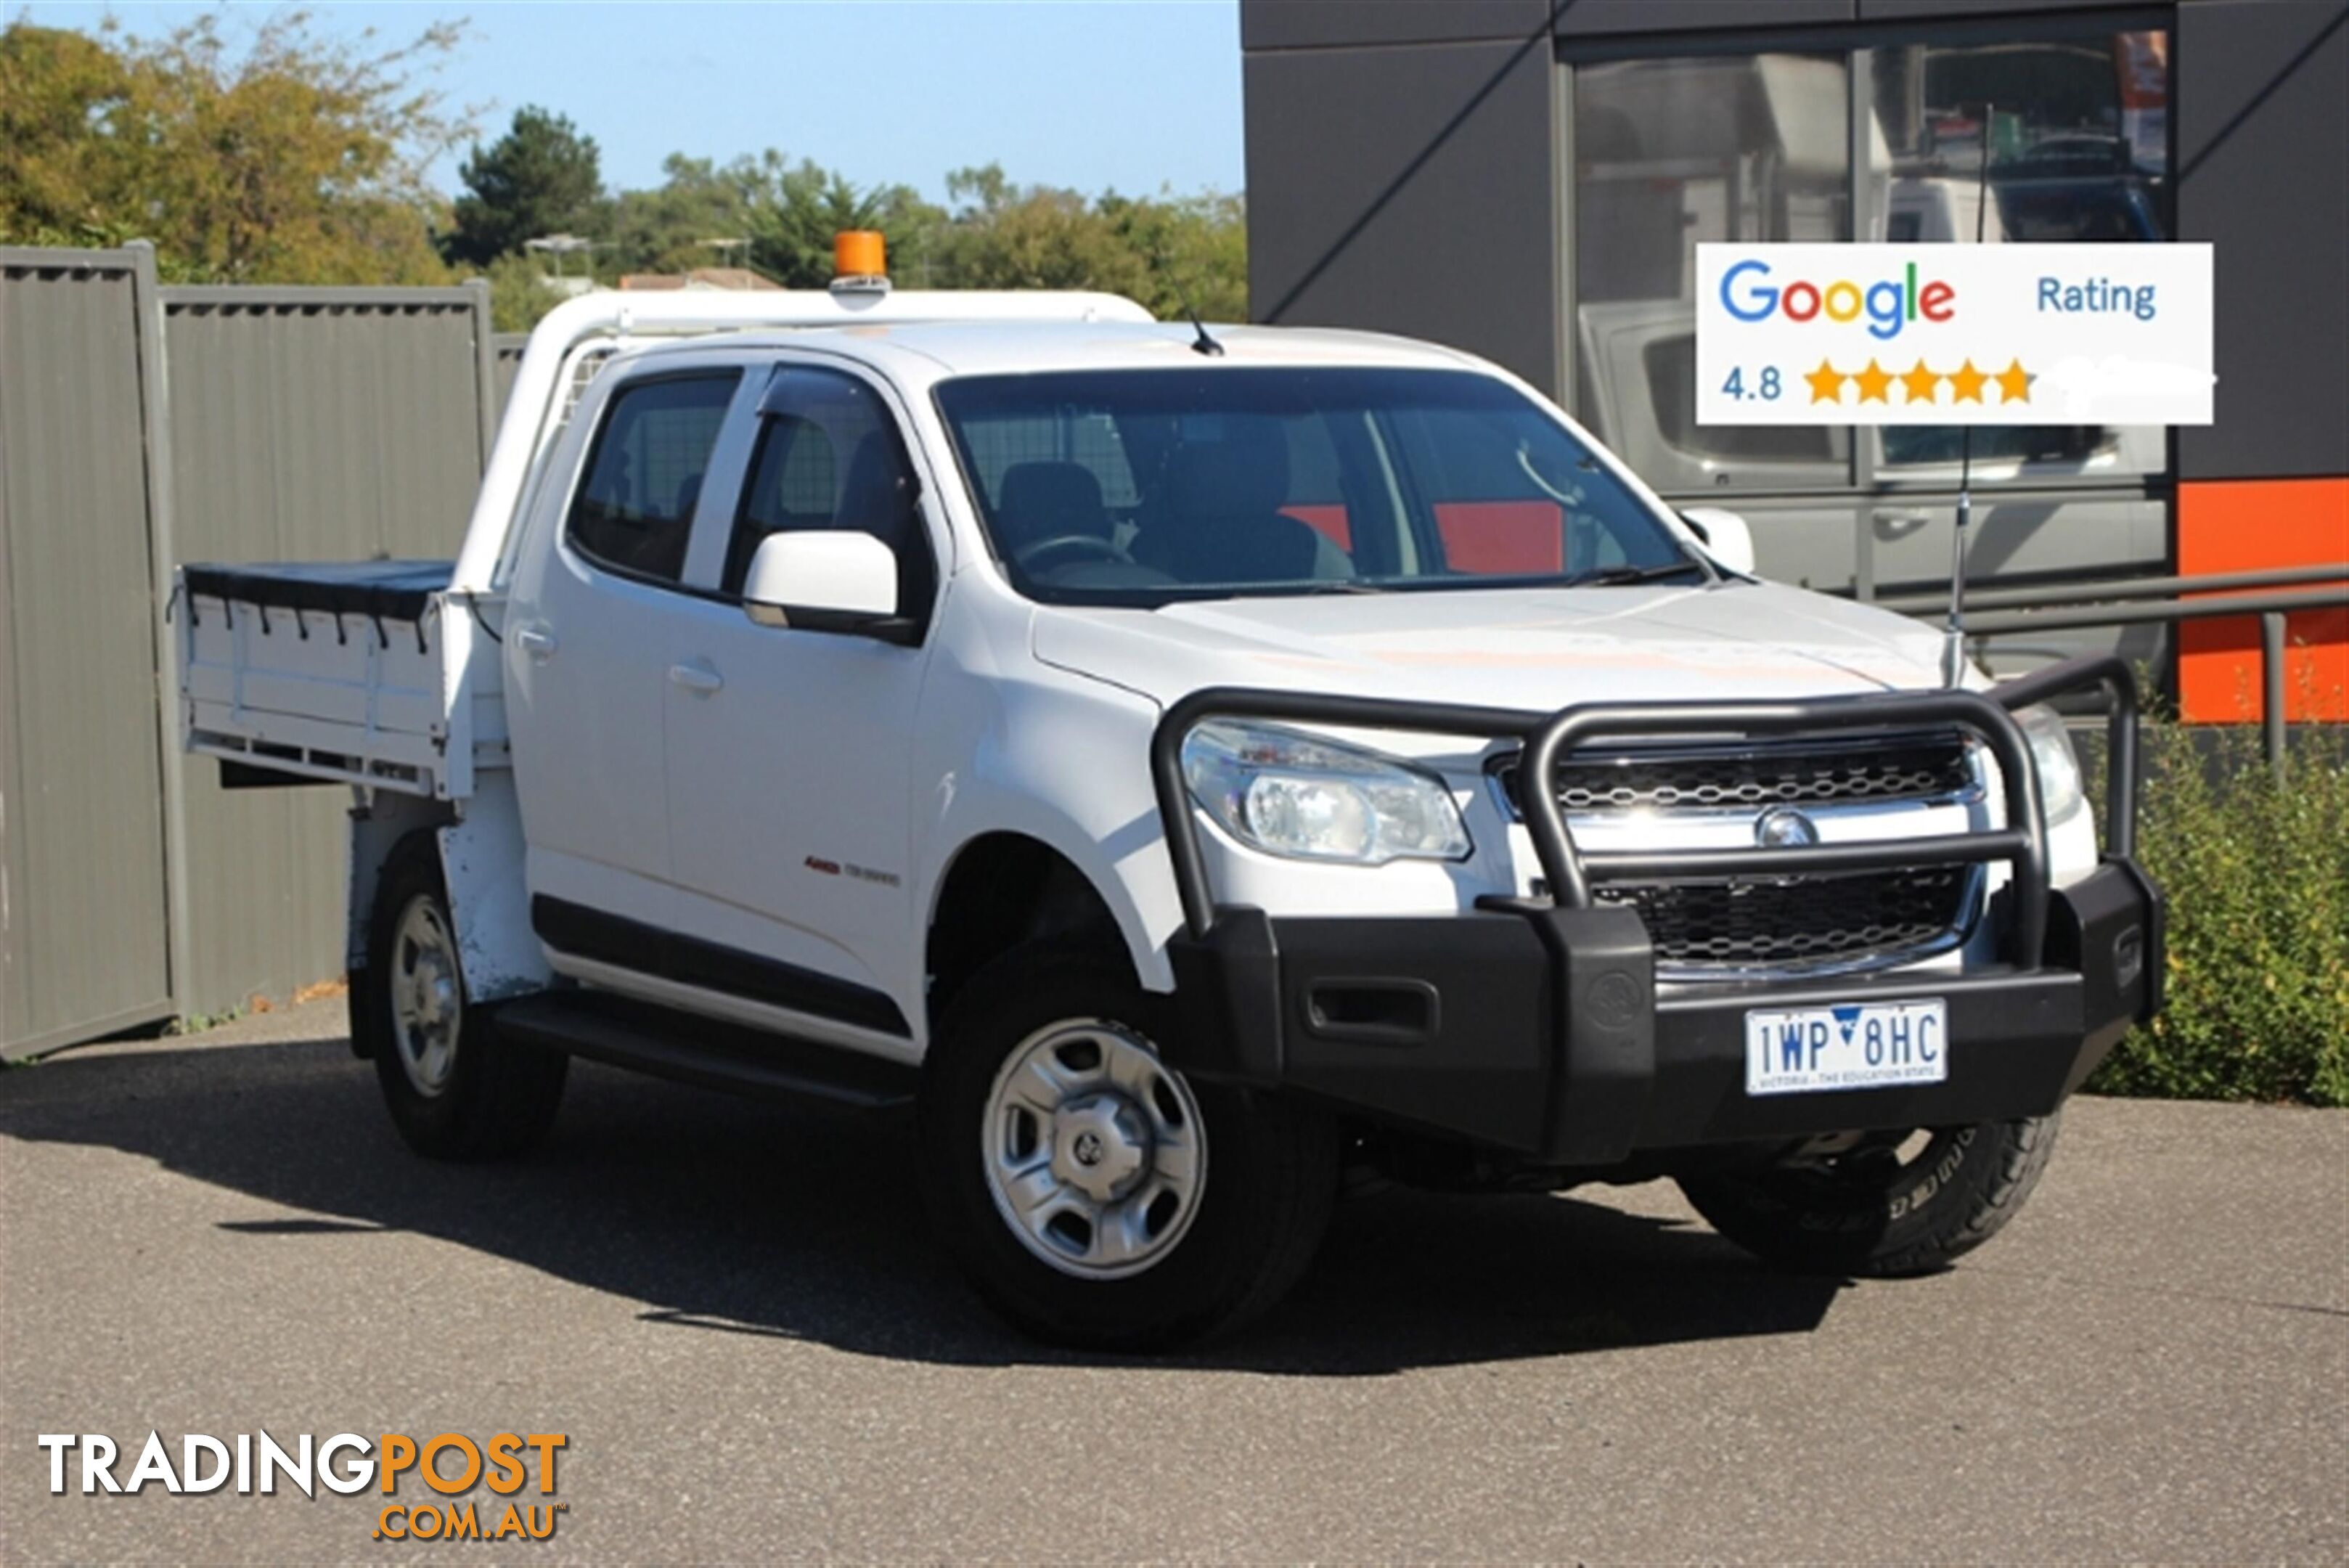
x: 58, y: 91
x: 294, y: 160
x: 664, y: 229
x: 1197, y: 247
x: 787, y: 212
x: 1036, y: 236
x: 1156, y: 251
x: 518, y: 293
x: 542, y: 177
x: 287, y: 159
x: 799, y: 208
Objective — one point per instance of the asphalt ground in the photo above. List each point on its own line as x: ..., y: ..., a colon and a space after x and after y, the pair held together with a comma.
x: 732, y: 1313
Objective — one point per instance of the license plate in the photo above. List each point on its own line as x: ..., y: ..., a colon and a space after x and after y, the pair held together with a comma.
x: 1858, y: 1045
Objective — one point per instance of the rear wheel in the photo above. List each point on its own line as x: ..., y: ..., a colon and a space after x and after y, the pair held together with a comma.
x: 1888, y: 1204
x: 1093, y: 1195
x: 456, y: 1089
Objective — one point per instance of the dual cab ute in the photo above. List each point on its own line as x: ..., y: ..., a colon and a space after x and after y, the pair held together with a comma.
x: 1187, y: 764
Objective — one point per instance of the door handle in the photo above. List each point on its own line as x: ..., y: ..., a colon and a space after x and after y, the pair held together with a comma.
x: 1904, y: 520
x: 536, y: 641
x: 698, y: 677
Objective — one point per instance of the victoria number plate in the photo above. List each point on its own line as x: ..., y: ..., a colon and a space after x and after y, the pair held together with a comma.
x: 1859, y: 1045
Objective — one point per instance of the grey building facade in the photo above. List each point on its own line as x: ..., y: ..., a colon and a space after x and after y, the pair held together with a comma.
x: 1527, y: 179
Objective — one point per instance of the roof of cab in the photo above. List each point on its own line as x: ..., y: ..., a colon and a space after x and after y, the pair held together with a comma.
x: 934, y: 350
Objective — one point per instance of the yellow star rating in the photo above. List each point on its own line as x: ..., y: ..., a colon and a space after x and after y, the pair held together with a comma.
x: 1919, y: 384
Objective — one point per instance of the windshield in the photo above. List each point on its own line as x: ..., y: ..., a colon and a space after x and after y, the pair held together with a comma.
x: 1139, y: 487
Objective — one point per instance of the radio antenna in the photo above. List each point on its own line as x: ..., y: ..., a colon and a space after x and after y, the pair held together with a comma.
x: 1953, y: 651
x: 1202, y: 344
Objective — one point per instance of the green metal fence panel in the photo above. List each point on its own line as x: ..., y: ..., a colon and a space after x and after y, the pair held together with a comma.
x: 84, y: 894
x: 507, y: 348
x: 306, y: 424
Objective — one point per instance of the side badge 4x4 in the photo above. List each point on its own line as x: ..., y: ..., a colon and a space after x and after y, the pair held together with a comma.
x: 851, y: 869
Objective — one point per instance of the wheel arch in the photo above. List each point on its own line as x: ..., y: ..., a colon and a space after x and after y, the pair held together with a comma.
x: 380, y: 829
x: 1004, y: 888
x: 481, y: 872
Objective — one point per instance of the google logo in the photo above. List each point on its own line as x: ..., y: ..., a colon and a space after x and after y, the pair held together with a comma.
x: 1888, y: 303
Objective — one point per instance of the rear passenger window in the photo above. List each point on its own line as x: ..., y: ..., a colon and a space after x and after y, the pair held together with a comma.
x: 635, y: 509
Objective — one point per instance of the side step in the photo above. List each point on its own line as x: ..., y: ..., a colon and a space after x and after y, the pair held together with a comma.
x: 691, y: 1049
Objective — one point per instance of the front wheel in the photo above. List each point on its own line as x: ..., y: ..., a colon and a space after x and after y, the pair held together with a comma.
x: 1093, y: 1195
x: 1889, y: 1205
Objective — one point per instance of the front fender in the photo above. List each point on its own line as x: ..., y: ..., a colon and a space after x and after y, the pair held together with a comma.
x: 1063, y: 760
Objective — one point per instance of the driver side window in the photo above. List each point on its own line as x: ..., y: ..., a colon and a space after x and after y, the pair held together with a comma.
x: 829, y: 456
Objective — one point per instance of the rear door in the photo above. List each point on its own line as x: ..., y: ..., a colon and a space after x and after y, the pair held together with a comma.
x: 590, y: 637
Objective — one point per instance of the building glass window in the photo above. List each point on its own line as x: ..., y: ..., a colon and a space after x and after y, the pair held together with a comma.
x: 2077, y: 134
x: 1668, y: 152
x: 1759, y: 146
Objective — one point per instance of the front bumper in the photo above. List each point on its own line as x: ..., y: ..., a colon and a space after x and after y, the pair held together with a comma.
x: 1545, y: 1034
x: 1539, y: 1028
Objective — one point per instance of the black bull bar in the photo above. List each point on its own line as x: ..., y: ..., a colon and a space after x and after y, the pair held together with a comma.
x: 1602, y: 1067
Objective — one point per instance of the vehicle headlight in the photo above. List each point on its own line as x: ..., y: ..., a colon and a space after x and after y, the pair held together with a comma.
x: 1295, y: 794
x: 2058, y: 765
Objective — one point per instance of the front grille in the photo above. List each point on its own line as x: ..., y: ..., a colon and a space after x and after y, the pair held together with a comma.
x: 1857, y: 918
x: 1876, y: 768
x: 1802, y: 922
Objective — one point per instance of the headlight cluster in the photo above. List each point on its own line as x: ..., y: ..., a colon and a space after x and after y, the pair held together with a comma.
x: 1295, y: 794
x: 2052, y: 754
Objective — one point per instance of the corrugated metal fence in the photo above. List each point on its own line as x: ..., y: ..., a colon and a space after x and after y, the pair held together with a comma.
x: 141, y: 427
x: 507, y: 348
x: 84, y: 929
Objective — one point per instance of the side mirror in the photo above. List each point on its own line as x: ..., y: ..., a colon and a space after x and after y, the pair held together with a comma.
x: 832, y: 580
x: 1726, y: 535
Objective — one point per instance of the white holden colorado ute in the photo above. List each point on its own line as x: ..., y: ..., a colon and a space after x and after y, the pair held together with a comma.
x: 1185, y: 763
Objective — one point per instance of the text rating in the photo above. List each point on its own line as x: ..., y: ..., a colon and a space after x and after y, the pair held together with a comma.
x: 1763, y: 383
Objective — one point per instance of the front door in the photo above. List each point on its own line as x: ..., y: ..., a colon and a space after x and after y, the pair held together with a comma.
x: 789, y: 750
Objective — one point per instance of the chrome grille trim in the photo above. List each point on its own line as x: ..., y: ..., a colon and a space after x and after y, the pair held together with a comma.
x: 1937, y: 768
x: 1717, y: 930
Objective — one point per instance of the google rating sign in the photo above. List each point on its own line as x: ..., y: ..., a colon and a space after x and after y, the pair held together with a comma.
x: 1942, y: 335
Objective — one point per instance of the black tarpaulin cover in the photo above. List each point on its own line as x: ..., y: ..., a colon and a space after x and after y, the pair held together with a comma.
x: 390, y: 590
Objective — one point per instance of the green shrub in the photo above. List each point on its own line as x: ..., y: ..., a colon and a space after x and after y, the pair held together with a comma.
x: 2258, y: 880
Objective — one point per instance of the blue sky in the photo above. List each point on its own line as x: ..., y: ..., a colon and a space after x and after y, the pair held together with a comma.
x: 1130, y: 94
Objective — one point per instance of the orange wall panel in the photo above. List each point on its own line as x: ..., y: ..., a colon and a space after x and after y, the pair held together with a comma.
x: 2255, y: 525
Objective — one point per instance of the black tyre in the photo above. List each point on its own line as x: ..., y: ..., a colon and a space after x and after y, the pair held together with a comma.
x: 1871, y: 1210
x: 456, y: 1090
x: 1093, y: 1196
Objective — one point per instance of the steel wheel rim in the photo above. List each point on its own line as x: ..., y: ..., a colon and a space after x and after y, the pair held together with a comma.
x: 1094, y: 1149
x: 428, y: 996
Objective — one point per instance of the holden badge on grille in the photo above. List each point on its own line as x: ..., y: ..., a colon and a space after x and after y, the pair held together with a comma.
x: 1783, y: 828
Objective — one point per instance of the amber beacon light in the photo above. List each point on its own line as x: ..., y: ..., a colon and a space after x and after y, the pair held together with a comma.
x: 859, y: 260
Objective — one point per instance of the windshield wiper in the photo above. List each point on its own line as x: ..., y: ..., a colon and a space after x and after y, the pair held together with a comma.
x: 1620, y: 576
